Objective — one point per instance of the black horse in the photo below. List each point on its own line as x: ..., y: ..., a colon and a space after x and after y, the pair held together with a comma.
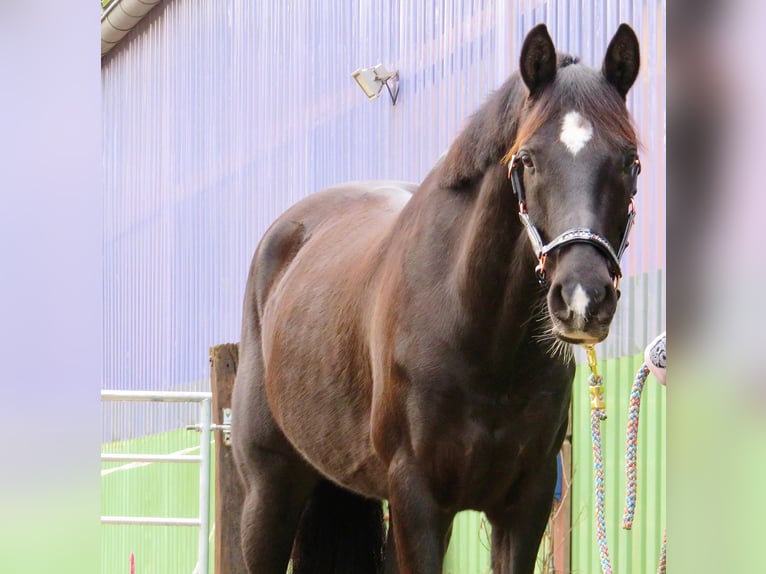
x: 398, y: 344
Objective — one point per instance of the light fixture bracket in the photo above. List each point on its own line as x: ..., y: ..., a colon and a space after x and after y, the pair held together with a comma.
x: 372, y: 80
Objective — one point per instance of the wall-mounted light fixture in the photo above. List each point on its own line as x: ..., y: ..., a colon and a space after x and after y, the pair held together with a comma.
x: 372, y: 80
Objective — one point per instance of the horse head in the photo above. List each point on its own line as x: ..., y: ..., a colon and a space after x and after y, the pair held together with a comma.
x: 573, y: 166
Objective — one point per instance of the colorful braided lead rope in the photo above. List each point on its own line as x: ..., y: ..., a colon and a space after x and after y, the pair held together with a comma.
x: 597, y: 414
x: 662, y: 568
x: 631, y: 447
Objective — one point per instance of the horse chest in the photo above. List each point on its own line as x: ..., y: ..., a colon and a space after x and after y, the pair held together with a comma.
x: 476, y: 449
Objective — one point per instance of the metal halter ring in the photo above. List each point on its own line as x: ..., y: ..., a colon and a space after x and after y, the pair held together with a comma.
x: 540, y: 267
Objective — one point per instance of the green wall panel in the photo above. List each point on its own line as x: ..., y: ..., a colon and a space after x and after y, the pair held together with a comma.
x: 634, y: 551
x: 468, y: 552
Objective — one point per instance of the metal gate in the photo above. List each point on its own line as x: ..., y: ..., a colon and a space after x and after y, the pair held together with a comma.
x: 202, y: 521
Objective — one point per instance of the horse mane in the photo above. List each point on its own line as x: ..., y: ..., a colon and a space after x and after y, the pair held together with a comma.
x: 509, y: 117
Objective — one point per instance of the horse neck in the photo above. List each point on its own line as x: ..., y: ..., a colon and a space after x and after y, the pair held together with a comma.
x: 493, y: 269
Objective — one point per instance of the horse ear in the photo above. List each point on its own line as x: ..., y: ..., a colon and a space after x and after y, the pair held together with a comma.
x: 622, y: 60
x: 538, y: 59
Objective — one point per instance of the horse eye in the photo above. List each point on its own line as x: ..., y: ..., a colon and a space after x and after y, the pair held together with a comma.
x: 630, y: 160
x: 526, y: 160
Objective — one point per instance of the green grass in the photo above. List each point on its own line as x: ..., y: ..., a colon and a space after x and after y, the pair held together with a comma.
x: 157, y: 489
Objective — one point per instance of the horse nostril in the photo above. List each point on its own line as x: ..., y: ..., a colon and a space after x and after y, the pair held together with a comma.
x: 563, y: 314
x: 606, y: 303
x: 583, y: 301
x: 598, y: 294
x: 557, y: 304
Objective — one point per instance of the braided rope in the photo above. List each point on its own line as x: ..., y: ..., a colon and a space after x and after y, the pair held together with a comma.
x: 631, y: 447
x: 597, y: 414
x: 662, y: 568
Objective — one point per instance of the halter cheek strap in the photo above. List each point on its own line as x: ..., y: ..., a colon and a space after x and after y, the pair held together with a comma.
x: 576, y: 235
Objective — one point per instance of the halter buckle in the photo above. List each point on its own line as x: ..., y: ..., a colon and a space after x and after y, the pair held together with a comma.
x: 540, y: 268
x: 511, y: 165
x: 590, y: 351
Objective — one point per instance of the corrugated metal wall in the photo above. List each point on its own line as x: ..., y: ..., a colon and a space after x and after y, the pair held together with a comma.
x: 218, y: 114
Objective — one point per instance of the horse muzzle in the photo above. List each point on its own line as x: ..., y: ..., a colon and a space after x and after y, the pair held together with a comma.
x: 582, y: 306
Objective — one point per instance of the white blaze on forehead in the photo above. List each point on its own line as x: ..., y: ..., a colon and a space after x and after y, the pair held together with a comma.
x: 579, y: 301
x: 576, y: 131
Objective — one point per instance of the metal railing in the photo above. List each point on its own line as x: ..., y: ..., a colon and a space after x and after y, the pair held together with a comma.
x: 205, y: 426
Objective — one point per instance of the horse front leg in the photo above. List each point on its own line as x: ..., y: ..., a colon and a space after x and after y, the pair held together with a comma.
x: 391, y: 567
x: 518, y: 529
x: 420, y: 527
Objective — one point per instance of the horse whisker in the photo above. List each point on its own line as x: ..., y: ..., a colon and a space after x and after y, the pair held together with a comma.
x: 555, y: 347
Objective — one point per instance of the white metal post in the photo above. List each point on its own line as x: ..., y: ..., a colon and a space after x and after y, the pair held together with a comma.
x: 205, y: 412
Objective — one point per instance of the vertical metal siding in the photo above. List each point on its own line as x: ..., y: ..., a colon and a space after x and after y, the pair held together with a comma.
x: 219, y: 114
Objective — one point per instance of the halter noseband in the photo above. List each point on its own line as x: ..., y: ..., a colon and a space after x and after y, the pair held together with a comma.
x: 576, y: 235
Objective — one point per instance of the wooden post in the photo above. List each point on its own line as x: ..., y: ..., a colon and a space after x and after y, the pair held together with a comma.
x: 228, y: 490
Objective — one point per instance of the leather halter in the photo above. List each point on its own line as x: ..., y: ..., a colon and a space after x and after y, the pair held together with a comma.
x: 576, y: 235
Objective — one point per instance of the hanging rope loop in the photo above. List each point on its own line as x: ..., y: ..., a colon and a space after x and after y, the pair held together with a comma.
x: 631, y: 448
x: 598, y: 414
